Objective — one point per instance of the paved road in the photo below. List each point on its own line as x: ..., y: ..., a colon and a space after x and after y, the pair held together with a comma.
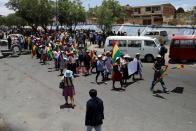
x: 30, y: 100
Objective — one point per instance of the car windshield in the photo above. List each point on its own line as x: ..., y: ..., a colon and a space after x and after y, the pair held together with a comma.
x: 163, y: 33
x: 157, y: 42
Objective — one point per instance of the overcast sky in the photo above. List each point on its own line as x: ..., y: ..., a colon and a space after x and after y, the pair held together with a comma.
x: 186, y: 4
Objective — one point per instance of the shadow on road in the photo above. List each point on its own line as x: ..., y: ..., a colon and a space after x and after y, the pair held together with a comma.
x: 66, y: 106
x: 118, y: 89
x: 159, y: 96
x: 178, y: 90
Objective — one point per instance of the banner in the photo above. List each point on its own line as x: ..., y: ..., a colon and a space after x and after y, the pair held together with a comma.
x: 132, y: 67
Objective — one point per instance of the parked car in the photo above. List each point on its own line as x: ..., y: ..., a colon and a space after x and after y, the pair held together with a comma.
x: 14, y: 37
x: 183, y: 48
x: 3, y: 42
x: 148, y: 47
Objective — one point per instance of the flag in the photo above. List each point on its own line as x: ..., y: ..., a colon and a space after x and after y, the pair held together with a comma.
x: 181, y: 66
x: 72, y: 49
x: 115, y: 53
x: 33, y: 51
x: 163, y: 71
x: 49, y: 52
x: 91, y: 54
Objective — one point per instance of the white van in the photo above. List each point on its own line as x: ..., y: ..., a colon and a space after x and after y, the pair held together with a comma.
x: 148, y: 47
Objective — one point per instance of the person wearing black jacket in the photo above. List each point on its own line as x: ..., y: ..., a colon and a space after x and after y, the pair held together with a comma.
x: 9, y: 42
x: 94, y: 112
x: 162, y: 52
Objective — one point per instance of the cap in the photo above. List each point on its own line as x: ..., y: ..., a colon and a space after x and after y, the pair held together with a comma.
x: 127, y: 56
x: 99, y: 56
x: 158, y: 56
x: 117, y: 58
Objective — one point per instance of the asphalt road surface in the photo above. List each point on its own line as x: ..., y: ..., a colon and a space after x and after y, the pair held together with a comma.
x: 30, y: 100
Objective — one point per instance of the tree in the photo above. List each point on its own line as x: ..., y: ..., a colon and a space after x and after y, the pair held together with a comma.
x: 71, y: 12
x: 109, y: 12
x: 180, y: 10
x: 2, y: 20
x: 35, y: 12
x: 14, y: 20
x: 104, y: 18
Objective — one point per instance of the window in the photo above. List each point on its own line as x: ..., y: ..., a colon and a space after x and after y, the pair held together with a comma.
x: 137, y: 10
x: 149, y: 43
x: 134, y: 43
x: 148, y: 8
x: 176, y: 43
x: 156, y: 8
x: 187, y: 44
x: 110, y: 43
x: 122, y: 43
x: 163, y: 33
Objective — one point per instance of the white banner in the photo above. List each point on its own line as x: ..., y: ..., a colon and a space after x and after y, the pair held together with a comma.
x: 132, y: 67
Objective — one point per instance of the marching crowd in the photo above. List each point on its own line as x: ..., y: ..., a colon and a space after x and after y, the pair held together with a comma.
x: 68, y: 50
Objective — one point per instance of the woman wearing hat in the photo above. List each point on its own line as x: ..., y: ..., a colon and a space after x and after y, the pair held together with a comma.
x: 125, y: 68
x: 108, y: 64
x: 68, y: 90
x: 116, y: 74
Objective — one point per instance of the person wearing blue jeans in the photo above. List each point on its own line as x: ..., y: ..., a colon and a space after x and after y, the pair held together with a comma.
x: 100, y: 68
x: 97, y: 128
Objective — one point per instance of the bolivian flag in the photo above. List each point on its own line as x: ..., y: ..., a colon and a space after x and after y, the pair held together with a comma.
x: 115, y: 52
x: 178, y: 67
x: 33, y: 51
x: 91, y: 54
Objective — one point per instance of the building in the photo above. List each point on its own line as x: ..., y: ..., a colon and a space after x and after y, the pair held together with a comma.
x: 151, y: 14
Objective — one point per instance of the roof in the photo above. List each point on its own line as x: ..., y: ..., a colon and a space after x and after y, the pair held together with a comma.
x: 155, y: 30
x: 184, y: 37
x: 130, y: 37
x: 153, y: 5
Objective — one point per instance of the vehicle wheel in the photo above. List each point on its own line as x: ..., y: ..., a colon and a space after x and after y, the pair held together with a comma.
x: 149, y: 58
x: 16, y: 50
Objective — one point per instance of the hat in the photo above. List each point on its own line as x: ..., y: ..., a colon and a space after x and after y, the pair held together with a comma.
x: 87, y: 51
x: 117, y: 58
x: 68, y: 73
x: 158, y: 56
x: 65, y: 58
x: 127, y: 56
x: 99, y: 56
x: 107, y: 52
x: 137, y: 54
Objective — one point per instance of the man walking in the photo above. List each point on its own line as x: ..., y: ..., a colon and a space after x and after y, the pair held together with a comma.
x: 100, y: 68
x: 157, y: 75
x: 94, y: 112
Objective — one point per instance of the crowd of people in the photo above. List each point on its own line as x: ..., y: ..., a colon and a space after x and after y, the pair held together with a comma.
x: 68, y: 50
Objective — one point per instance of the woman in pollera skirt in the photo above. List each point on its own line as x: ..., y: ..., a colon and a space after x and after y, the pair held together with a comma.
x: 68, y: 90
x: 116, y: 74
